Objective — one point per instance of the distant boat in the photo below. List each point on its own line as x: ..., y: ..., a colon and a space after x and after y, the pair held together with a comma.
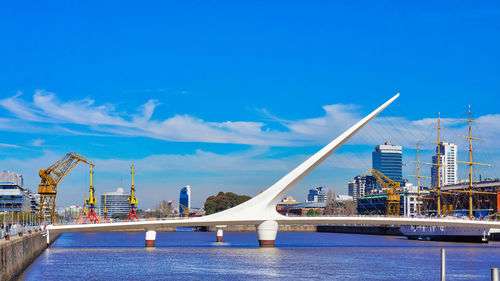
x: 451, y: 234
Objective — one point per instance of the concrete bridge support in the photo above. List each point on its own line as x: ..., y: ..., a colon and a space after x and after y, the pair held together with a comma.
x: 266, y: 231
x: 150, y: 238
x: 220, y: 232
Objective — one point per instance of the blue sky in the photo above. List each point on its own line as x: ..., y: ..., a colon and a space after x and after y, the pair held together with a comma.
x: 231, y: 96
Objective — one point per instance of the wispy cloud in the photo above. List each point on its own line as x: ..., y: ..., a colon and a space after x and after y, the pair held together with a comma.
x: 38, y: 142
x: 9, y: 145
x: 47, y: 110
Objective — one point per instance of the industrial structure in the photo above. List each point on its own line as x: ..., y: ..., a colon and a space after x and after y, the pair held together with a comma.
x: 391, y: 189
x: 50, y: 178
x: 132, y: 200
x: 91, y: 202
x: 105, y: 210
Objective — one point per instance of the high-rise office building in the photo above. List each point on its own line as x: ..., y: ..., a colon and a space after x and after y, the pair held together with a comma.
x: 448, y: 157
x: 388, y: 159
x: 367, y: 184
x: 361, y: 186
x: 317, y: 195
x: 353, y: 190
x: 185, y: 199
x: 116, y: 202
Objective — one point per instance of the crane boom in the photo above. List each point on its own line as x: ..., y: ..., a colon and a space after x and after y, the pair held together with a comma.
x: 391, y: 189
x: 50, y: 178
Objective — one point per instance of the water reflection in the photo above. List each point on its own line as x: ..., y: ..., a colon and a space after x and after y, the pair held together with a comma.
x: 321, y: 256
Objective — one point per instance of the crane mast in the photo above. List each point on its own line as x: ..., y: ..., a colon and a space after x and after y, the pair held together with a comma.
x: 50, y: 178
x: 132, y: 200
x: 84, y: 204
x: 91, y: 202
x: 105, y: 210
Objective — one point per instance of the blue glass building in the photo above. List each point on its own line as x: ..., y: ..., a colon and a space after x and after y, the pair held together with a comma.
x: 185, y: 199
x: 388, y: 159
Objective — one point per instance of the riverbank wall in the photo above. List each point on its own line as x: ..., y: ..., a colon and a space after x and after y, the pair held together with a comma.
x: 18, y: 253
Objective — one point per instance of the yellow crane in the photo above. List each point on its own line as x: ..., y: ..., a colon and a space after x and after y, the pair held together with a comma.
x: 84, y: 204
x: 132, y: 200
x: 391, y: 189
x: 92, y: 201
x: 105, y: 211
x: 50, y: 178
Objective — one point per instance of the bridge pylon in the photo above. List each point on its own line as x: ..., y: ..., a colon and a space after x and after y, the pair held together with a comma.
x: 150, y: 238
x: 266, y: 232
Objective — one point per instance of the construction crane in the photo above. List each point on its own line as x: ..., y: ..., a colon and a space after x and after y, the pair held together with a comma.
x: 84, y: 204
x: 391, y: 189
x: 91, y: 202
x: 105, y: 210
x: 132, y: 200
x: 50, y: 178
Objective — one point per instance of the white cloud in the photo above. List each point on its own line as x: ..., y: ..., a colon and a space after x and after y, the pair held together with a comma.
x: 47, y: 113
x: 9, y: 145
x: 38, y: 142
x: 46, y: 108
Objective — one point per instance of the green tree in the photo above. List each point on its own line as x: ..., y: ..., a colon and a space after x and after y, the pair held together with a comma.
x: 312, y: 213
x: 223, y: 201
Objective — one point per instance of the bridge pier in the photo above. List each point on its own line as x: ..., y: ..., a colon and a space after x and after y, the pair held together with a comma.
x: 220, y: 232
x: 266, y: 231
x: 150, y: 238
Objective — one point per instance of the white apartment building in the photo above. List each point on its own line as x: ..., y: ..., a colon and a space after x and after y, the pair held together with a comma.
x: 448, y: 157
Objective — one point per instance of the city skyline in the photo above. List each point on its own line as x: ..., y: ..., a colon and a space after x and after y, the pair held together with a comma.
x: 212, y: 110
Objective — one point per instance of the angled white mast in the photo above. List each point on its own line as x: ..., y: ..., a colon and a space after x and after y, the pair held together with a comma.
x: 264, y: 204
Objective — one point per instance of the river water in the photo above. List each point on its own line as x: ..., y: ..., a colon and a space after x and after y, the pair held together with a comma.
x: 297, y: 255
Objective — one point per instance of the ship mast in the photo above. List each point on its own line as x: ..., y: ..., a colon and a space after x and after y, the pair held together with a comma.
x: 470, y: 162
x: 418, y: 176
x: 438, y: 180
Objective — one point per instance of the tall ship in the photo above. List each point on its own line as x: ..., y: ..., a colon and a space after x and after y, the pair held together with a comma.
x: 453, y: 234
